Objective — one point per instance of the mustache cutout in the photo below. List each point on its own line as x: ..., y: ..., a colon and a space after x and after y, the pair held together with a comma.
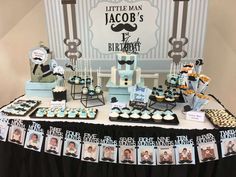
x: 189, y: 66
x: 185, y: 161
x: 199, y: 62
x: 71, y: 154
x: 108, y: 159
x: 128, y: 62
x: 1, y: 138
x: 89, y: 159
x: 15, y: 141
x: 52, y: 151
x: 184, y: 72
x: 70, y: 66
x: 146, y: 162
x: 30, y: 101
x: 58, y: 74
x: 208, y: 159
x: 25, y: 105
x: 127, y: 161
x: 170, y: 97
x: 20, y: 109
x: 166, y: 162
x: 33, y: 147
x: 125, y: 26
x: 230, y: 153
x: 39, y: 59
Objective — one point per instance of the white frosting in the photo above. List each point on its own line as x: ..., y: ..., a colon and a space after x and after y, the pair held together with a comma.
x: 124, y: 115
x: 157, y: 117
x: 59, y: 89
x: 168, y: 117
x: 135, y: 116
x: 113, y: 114
x: 145, y: 116
x: 169, y: 99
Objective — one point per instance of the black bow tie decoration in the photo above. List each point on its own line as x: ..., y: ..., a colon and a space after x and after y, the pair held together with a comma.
x: 108, y: 159
x: 32, y: 147
x: 127, y: 161
x: 185, y: 161
x: 16, y: 141
x: 89, y: 159
x: 52, y: 151
x: 166, y: 162
x: 128, y: 62
x: 71, y: 154
x: 146, y: 162
x: 208, y: 159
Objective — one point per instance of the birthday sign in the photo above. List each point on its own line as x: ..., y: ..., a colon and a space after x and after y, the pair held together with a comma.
x: 123, y: 27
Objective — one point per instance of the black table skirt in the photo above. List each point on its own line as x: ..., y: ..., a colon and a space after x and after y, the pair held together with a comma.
x: 15, y: 161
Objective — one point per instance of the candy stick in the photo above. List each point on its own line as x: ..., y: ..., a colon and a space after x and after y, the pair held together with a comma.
x: 171, y: 65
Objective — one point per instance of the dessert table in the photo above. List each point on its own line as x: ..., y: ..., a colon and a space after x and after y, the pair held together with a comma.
x: 17, y: 161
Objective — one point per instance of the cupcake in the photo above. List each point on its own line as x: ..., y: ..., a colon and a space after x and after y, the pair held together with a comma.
x: 115, y: 112
x: 145, y: 115
x: 176, y: 94
x: 168, y: 115
x: 91, y: 113
x: 61, y: 113
x: 169, y: 97
x: 41, y: 112
x: 135, y: 114
x: 157, y: 116
x: 72, y: 113
x: 125, y: 113
x: 160, y: 94
x: 51, y: 113
x: 83, y: 113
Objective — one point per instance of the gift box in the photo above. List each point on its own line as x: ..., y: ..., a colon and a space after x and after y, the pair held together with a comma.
x: 36, y: 89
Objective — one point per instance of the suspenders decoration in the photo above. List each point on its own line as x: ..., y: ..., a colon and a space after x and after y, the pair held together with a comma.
x: 71, y: 39
x: 179, y: 39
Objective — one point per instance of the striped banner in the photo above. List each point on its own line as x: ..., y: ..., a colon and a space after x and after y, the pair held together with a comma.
x: 195, y: 32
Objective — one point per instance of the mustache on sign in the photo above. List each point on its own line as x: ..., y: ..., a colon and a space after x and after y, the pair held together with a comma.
x: 125, y: 26
x: 38, y: 59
